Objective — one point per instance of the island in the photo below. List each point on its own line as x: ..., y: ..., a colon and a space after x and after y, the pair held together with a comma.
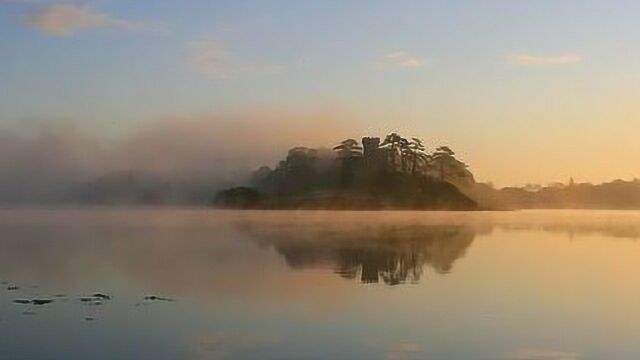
x: 374, y: 174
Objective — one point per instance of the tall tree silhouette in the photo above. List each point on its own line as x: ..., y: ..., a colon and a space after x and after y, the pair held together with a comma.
x: 447, y: 166
x: 300, y: 171
x: 349, y: 153
x: 395, y: 143
x: 415, y: 154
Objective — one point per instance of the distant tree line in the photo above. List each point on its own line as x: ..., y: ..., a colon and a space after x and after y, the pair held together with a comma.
x: 617, y: 194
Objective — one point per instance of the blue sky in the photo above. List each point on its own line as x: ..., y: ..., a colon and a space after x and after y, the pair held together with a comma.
x: 524, y: 79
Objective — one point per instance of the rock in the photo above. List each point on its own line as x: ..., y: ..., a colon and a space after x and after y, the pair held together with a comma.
x: 157, y: 298
x: 33, y: 301
x: 101, y: 296
x: 41, y: 301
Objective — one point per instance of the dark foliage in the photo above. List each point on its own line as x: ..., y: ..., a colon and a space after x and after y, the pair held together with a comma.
x: 393, y: 174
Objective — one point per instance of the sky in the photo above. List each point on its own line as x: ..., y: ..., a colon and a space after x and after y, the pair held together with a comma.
x: 523, y: 91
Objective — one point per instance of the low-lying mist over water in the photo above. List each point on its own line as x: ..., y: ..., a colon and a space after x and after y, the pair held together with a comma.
x: 190, y: 158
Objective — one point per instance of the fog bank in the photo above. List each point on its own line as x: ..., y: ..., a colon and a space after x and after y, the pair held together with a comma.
x: 45, y: 163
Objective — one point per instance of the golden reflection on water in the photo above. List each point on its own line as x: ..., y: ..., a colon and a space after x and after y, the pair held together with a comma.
x: 516, y: 285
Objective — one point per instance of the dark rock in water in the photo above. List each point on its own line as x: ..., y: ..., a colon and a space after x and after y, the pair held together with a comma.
x: 59, y: 295
x: 157, y: 298
x: 33, y: 301
x: 89, y: 318
x: 12, y: 288
x: 41, y: 301
x: 95, y: 299
x: 101, y: 296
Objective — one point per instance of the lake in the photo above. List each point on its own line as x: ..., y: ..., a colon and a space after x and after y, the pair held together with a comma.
x: 208, y: 284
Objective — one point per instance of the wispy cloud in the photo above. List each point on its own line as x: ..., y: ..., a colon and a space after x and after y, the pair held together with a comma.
x: 213, y: 59
x: 543, y: 354
x: 67, y: 19
x: 399, y: 59
x: 527, y: 59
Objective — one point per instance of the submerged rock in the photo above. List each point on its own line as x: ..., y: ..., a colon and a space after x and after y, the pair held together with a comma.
x: 41, y: 301
x: 157, y: 298
x: 95, y: 299
x: 33, y: 301
x: 101, y: 296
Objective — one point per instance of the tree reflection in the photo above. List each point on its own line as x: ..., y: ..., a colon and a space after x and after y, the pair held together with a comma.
x: 391, y: 254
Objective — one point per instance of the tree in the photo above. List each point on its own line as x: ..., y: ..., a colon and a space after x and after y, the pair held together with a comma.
x: 448, y: 167
x: 442, y: 158
x: 300, y: 159
x: 300, y: 172
x: 395, y: 143
x: 349, y: 153
x: 348, y: 149
x: 414, y: 152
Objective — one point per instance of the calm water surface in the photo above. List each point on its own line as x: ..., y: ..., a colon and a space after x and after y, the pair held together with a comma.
x: 204, y: 284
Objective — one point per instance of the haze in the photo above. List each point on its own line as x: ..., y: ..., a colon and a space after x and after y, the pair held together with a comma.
x: 524, y: 91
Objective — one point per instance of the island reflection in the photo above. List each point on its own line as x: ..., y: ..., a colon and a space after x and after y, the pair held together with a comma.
x: 221, y: 251
x: 384, y: 253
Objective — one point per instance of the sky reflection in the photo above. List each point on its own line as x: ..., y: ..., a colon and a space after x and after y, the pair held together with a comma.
x: 285, y: 285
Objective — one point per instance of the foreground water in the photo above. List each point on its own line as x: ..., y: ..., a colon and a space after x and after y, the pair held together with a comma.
x: 203, y: 284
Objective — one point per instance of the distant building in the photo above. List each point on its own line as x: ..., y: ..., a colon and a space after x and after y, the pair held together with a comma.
x: 378, y: 158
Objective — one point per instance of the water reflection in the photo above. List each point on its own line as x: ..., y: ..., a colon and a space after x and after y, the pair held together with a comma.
x: 387, y: 253
x: 236, y: 284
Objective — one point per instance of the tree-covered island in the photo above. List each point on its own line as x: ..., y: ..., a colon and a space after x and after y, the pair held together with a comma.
x: 393, y: 173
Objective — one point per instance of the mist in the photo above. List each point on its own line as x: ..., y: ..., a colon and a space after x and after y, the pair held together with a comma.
x: 45, y: 163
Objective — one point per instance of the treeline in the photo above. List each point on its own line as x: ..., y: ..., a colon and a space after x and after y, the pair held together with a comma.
x: 618, y: 194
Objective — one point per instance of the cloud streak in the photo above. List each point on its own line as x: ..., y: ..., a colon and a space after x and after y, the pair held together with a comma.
x: 67, y: 19
x: 527, y: 59
x: 399, y: 59
x: 213, y: 59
